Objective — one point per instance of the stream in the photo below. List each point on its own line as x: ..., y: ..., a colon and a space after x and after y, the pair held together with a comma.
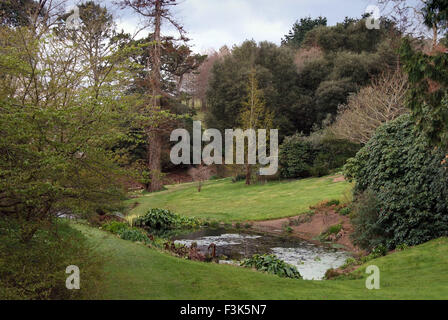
x: 310, y: 259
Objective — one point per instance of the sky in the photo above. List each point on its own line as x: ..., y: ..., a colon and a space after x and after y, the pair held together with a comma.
x: 210, y: 24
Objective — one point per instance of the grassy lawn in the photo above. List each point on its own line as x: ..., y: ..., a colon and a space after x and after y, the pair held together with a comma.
x: 225, y: 201
x: 134, y: 271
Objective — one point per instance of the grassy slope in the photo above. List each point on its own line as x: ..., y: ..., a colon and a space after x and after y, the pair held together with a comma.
x: 226, y: 201
x: 134, y: 271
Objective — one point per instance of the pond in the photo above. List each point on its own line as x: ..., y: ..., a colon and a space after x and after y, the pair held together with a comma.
x: 310, y: 259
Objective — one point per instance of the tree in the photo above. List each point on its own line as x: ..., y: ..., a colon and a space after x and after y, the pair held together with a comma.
x: 276, y: 76
x: 414, y: 17
x: 198, y: 81
x: 155, y: 11
x: 176, y: 61
x: 55, y: 135
x: 409, y: 180
x: 380, y: 102
x: 15, y: 13
x: 254, y: 114
x: 101, y: 47
x: 428, y: 78
x: 297, y: 34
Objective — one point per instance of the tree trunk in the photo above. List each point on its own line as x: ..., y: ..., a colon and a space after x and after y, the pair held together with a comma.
x: 434, y: 37
x: 203, y: 104
x: 154, y: 160
x: 155, y: 139
x: 248, y: 173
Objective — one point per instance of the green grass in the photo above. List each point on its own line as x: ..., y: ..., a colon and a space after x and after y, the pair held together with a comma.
x: 225, y: 201
x: 134, y: 271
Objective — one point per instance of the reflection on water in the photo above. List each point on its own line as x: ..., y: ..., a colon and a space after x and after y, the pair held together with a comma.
x: 311, y: 260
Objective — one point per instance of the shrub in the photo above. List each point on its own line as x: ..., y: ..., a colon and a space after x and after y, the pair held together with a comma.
x: 402, y: 247
x: 36, y: 269
x: 334, y: 229
x: 296, y: 157
x: 344, y: 211
x: 115, y: 226
x: 316, y: 155
x: 333, y: 202
x: 162, y: 219
x: 368, y: 231
x: 271, y: 264
x: 407, y: 201
x: 133, y: 235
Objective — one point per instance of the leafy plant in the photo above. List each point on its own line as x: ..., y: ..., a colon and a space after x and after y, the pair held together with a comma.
x: 162, y: 219
x: 333, y: 202
x: 36, y: 270
x: 133, y: 235
x: 271, y: 264
x: 115, y: 226
x: 344, y: 211
x: 402, y: 247
x: 401, y: 193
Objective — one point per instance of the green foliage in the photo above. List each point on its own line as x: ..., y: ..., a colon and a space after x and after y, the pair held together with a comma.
x: 297, y: 34
x: 332, y: 202
x: 16, y: 12
x: 344, y: 211
x: 125, y: 231
x: 36, y: 270
x: 368, y: 231
x: 133, y: 235
x: 300, y: 99
x: 301, y: 156
x: 401, y: 247
x: 276, y: 77
x: 115, y: 226
x: 331, y: 230
x: 162, y: 219
x: 428, y: 95
x: 271, y: 264
x: 296, y: 157
x: 401, y: 187
x: 287, y: 228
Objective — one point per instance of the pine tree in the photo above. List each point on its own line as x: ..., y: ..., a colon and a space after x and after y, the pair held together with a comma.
x: 254, y: 114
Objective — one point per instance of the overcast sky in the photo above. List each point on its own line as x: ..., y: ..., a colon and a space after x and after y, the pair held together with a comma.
x: 214, y: 23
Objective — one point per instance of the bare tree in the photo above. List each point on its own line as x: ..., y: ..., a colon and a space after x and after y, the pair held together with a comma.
x: 154, y: 12
x: 196, y: 83
x: 409, y: 16
x: 372, y: 106
x: 199, y: 174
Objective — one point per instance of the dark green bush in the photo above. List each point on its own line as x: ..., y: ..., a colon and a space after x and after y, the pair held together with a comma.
x: 368, y: 232
x: 302, y: 156
x: 296, y: 157
x: 409, y: 181
x: 36, y: 269
x: 271, y: 264
x: 162, y: 219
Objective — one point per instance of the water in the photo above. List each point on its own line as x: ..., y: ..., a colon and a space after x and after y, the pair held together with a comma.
x: 311, y: 260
